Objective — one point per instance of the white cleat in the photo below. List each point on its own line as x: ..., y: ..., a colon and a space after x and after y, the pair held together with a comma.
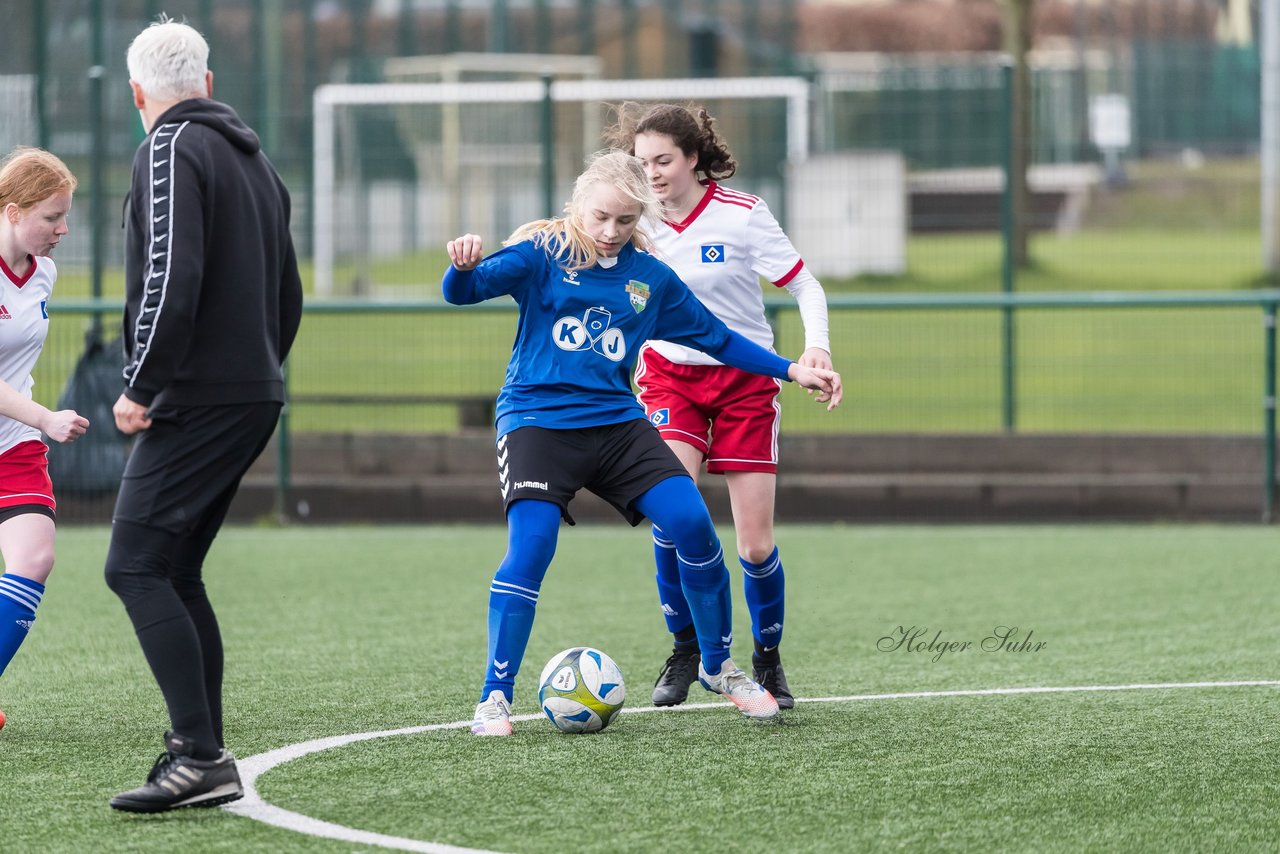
x: 493, y: 716
x: 750, y: 697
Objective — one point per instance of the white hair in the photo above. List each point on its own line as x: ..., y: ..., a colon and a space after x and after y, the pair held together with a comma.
x: 169, y: 61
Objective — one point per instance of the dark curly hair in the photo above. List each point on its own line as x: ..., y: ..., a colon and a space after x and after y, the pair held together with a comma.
x: 692, y: 129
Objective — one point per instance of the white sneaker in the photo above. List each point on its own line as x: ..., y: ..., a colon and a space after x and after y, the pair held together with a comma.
x: 493, y: 716
x: 750, y: 698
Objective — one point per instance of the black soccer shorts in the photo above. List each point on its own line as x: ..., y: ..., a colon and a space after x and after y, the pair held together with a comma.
x: 618, y: 462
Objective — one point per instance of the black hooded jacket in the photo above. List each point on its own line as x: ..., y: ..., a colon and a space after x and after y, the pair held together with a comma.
x: 213, y: 297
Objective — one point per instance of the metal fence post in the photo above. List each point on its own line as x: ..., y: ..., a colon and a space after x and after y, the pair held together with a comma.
x: 1269, y: 413
x: 1009, y: 409
x: 98, y: 158
x: 42, y: 70
x: 548, y: 147
x: 284, y: 456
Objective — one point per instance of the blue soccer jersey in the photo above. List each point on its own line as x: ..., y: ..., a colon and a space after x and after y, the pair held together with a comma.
x: 579, y: 332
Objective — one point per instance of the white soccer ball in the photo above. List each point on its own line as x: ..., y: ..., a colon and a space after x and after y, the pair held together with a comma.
x: 581, y: 690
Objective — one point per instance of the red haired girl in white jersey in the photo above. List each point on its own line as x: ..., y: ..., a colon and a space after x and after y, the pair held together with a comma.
x: 35, y: 197
x: 720, y: 242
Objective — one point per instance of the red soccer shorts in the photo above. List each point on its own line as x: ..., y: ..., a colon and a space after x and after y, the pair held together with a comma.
x: 730, y: 415
x: 24, y: 475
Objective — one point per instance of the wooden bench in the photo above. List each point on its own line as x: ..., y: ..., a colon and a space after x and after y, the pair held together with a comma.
x: 474, y: 410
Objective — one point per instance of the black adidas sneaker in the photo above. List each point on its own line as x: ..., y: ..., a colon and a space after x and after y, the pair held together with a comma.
x: 180, y: 780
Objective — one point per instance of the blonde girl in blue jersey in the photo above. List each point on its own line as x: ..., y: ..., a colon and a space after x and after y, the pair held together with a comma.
x: 589, y: 296
x: 35, y: 199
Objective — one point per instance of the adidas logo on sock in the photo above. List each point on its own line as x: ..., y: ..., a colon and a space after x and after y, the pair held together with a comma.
x: 669, y: 611
x: 26, y: 624
x: 772, y: 630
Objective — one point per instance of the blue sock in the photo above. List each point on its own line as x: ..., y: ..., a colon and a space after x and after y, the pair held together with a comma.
x: 674, y: 607
x: 677, y: 508
x: 532, y: 527
x: 764, y: 585
x: 706, y: 585
x: 19, y: 598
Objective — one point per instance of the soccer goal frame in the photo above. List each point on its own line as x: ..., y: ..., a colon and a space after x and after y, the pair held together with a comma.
x: 591, y: 94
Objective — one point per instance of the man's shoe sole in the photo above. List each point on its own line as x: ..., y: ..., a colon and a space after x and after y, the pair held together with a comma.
x: 214, y: 798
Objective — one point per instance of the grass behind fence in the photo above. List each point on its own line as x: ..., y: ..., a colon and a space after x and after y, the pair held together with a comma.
x: 1127, y: 370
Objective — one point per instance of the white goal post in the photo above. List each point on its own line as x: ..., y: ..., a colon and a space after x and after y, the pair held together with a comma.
x: 591, y: 94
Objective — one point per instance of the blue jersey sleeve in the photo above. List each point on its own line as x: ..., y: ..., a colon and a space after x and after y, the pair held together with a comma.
x: 685, y: 320
x: 508, y: 271
x: 746, y: 355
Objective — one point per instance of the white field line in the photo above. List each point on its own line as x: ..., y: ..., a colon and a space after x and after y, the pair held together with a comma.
x: 254, y: 807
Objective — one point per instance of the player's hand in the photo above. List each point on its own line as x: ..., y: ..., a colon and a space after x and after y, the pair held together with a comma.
x: 465, y: 252
x: 65, y: 425
x: 130, y: 417
x: 826, y: 383
x: 816, y: 357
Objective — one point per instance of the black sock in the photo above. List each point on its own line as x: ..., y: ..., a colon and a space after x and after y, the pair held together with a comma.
x: 686, y: 640
x: 190, y: 589
x: 172, y: 648
x: 138, y: 571
x: 765, y: 656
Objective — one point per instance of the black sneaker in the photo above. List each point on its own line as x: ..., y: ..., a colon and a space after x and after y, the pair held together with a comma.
x: 180, y: 780
x: 680, y: 671
x: 774, y: 681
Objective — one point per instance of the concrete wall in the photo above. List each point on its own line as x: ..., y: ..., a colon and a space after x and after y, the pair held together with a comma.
x: 936, y: 478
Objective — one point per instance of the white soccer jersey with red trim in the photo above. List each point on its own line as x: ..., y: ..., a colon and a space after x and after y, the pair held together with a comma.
x: 24, y: 323
x: 721, y: 250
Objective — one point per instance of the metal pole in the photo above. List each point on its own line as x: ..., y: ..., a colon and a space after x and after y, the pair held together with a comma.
x: 548, y: 147
x: 309, y: 75
x: 272, y: 82
x: 675, y: 53
x: 1270, y: 48
x: 452, y: 27
x: 41, y: 63
x: 631, y: 34
x: 542, y: 14
x: 498, y: 27
x: 1007, y: 283
x: 587, y: 27
x: 1269, y: 414
x: 407, y: 31
x: 284, y: 456
x: 97, y: 161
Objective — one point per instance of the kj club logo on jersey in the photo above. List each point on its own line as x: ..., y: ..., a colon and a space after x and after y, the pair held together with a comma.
x: 591, y: 332
x: 660, y: 417
x: 639, y: 293
x: 712, y: 253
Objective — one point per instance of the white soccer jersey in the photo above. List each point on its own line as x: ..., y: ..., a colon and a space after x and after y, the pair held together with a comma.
x: 24, y: 323
x: 721, y: 250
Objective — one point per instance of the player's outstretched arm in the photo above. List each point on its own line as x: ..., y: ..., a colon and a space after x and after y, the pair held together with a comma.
x: 826, y: 383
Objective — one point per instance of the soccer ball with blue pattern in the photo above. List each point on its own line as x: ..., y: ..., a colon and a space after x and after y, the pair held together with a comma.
x: 581, y: 690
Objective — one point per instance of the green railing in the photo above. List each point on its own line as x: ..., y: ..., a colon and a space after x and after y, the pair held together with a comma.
x: 911, y: 362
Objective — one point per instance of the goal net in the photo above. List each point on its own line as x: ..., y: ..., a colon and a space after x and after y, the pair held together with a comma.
x: 402, y: 167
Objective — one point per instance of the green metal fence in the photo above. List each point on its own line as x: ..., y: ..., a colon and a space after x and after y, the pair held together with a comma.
x: 1084, y: 363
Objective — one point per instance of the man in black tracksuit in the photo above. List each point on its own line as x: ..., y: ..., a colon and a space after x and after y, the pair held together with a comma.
x: 213, y: 304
